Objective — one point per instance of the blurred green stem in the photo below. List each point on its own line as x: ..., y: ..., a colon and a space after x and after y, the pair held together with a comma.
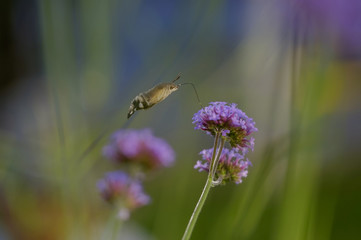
x: 207, y: 187
x: 116, y: 228
x: 113, y: 226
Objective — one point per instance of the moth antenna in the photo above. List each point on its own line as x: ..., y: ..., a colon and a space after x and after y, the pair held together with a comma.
x: 178, y: 77
x: 195, y: 90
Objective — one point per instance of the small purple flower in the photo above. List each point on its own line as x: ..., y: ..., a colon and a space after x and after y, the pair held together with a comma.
x: 229, y: 120
x: 119, y: 189
x: 231, y: 166
x: 141, y: 147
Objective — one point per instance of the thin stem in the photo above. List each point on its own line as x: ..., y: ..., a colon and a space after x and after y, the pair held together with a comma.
x: 117, y: 224
x: 197, y: 210
x: 216, y: 138
x: 207, y: 187
x: 113, y: 226
x: 215, y: 164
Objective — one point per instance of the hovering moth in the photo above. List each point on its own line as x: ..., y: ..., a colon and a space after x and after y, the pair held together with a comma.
x: 155, y: 95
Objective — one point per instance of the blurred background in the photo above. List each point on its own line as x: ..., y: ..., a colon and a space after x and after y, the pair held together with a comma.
x: 69, y: 70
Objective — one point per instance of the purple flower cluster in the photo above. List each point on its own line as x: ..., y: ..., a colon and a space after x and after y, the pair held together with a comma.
x: 119, y: 189
x: 139, y: 147
x: 228, y: 120
x: 138, y: 150
x: 231, y: 166
x: 232, y: 125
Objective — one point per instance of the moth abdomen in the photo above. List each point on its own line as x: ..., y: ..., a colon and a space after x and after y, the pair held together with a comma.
x: 139, y: 102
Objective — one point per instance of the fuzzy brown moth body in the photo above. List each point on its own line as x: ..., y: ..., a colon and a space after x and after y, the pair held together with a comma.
x: 155, y: 95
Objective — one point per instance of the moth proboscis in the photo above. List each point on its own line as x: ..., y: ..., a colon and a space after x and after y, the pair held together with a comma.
x: 155, y: 95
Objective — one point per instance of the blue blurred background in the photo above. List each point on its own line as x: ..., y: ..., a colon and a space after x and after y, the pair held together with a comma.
x: 69, y: 70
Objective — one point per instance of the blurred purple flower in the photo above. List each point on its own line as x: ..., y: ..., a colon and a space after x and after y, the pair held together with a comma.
x: 140, y: 147
x: 337, y: 19
x: 119, y: 189
x: 231, y: 167
x: 230, y: 121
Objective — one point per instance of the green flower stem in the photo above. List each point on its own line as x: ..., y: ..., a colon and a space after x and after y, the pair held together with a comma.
x: 117, y: 225
x: 215, y: 144
x: 197, y: 210
x: 215, y: 164
x: 207, y: 187
x: 113, y: 226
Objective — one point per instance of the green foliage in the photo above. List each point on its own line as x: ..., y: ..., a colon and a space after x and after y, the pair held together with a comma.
x: 305, y: 180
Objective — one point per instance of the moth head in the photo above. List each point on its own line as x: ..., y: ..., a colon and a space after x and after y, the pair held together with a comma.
x: 173, y: 87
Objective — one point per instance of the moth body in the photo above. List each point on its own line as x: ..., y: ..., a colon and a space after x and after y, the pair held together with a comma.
x: 151, y: 97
